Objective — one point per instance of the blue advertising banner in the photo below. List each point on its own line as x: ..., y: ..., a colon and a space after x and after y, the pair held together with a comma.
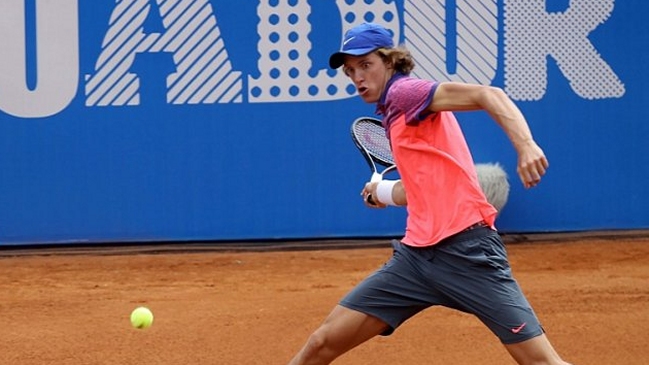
x: 146, y: 120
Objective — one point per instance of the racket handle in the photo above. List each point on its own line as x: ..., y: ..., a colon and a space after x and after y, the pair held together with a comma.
x: 376, y: 177
x: 370, y: 200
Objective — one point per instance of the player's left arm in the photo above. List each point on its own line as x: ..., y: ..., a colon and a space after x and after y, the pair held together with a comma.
x: 457, y: 96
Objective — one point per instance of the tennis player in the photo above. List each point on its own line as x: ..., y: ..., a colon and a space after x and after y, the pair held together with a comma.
x: 451, y: 255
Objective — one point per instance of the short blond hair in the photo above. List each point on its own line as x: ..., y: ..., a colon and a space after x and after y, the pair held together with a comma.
x: 399, y: 57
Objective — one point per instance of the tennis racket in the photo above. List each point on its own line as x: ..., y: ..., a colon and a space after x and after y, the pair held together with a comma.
x: 369, y: 137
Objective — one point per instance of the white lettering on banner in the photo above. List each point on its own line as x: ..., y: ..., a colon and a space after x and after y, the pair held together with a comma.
x: 202, y: 71
x: 284, y: 47
x: 203, y: 74
x: 532, y: 34
x: 477, y: 39
x: 57, y: 61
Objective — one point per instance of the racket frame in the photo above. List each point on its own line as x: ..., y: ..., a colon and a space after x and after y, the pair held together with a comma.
x: 371, y: 158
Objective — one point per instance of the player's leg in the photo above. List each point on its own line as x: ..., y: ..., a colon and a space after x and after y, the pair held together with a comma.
x: 473, y: 272
x: 343, y: 330
x: 376, y: 306
x: 537, y: 351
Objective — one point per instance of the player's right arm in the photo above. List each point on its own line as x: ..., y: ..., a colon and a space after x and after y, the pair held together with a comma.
x: 398, y: 194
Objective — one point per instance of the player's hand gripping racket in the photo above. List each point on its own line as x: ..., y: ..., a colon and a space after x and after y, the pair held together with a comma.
x: 369, y: 136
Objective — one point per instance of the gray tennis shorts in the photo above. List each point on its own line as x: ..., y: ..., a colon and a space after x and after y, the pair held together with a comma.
x: 468, y: 272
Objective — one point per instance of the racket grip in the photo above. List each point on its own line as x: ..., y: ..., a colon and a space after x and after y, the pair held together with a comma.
x: 376, y: 177
x: 370, y: 200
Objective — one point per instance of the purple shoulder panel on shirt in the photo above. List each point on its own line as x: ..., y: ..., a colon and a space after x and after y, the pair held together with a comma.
x: 406, y: 95
x: 422, y: 113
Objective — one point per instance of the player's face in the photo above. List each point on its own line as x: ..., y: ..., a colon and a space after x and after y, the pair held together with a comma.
x: 369, y: 74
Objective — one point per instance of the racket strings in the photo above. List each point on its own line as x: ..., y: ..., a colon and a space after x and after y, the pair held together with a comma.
x: 372, y: 137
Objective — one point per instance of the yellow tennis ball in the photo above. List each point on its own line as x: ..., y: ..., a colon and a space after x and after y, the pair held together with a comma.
x: 141, y: 317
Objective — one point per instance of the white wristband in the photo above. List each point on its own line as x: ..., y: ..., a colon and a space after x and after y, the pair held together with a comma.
x: 384, y: 191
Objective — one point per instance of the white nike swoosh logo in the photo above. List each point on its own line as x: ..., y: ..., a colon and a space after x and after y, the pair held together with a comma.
x: 347, y: 41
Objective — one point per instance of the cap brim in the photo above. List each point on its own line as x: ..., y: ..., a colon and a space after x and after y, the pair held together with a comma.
x: 338, y: 59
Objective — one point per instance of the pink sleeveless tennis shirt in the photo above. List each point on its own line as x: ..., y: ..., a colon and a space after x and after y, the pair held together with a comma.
x: 435, y: 164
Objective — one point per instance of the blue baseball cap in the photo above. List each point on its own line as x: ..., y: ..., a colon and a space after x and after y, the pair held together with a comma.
x: 360, y: 40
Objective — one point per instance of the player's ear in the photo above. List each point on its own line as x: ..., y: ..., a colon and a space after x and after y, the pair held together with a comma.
x: 390, y: 62
x: 387, y: 62
x: 385, y: 58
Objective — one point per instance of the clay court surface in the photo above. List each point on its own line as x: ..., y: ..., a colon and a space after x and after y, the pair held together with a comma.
x: 218, y: 305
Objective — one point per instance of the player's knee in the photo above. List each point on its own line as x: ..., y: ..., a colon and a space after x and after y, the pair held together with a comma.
x: 316, y: 343
x: 319, y: 347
